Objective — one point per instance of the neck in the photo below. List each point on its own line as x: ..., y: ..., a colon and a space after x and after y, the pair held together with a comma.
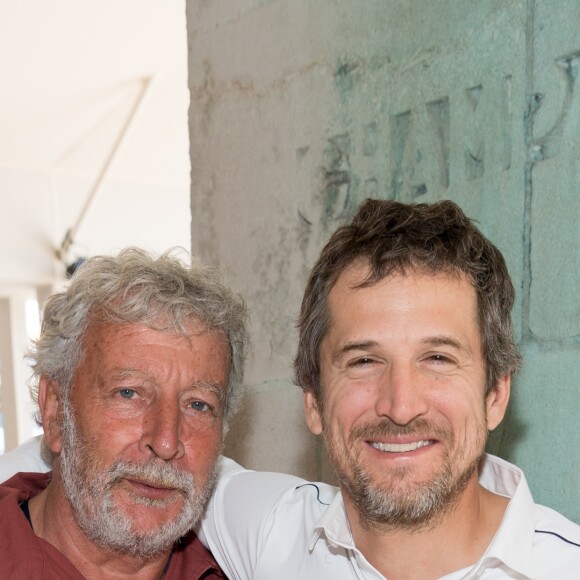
x: 455, y: 541
x: 53, y: 521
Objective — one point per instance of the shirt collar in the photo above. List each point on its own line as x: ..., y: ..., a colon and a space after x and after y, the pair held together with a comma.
x: 333, y: 524
x: 511, y: 545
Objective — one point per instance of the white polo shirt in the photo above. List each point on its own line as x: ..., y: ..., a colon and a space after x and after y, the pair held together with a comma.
x: 26, y: 457
x: 266, y: 526
x: 270, y: 526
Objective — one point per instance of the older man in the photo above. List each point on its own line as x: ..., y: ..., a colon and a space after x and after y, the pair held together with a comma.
x: 405, y: 357
x: 138, y: 367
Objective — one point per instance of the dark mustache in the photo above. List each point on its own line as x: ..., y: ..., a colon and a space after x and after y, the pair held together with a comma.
x: 419, y: 427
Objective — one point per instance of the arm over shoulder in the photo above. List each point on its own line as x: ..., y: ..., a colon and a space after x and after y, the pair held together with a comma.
x: 26, y: 457
x: 241, y: 515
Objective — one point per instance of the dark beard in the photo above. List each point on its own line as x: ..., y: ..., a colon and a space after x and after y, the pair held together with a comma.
x: 417, y: 506
x: 421, y: 507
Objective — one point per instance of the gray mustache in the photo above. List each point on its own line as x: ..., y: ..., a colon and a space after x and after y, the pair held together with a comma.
x: 154, y: 474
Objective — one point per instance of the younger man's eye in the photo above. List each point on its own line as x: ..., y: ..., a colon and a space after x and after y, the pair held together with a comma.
x: 363, y: 361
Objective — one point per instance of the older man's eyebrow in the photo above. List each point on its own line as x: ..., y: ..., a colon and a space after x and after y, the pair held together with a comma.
x: 210, y: 386
x: 128, y: 373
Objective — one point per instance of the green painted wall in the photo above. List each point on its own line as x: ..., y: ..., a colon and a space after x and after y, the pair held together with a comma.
x: 301, y: 109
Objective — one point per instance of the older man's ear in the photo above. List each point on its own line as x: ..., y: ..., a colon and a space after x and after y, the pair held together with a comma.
x: 49, y: 401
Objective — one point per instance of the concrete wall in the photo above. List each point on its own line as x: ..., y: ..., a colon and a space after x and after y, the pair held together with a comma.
x: 300, y: 109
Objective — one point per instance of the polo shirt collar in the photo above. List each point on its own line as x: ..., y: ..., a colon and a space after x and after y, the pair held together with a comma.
x: 512, y: 543
x: 333, y: 524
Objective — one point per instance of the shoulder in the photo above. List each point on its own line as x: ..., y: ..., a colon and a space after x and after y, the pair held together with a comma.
x: 190, y: 559
x: 27, y: 457
x: 553, y: 526
x: 266, y: 491
x: 250, y: 512
x: 25, y: 555
x: 266, y: 498
x: 23, y: 486
x: 21, y: 554
x: 556, y: 542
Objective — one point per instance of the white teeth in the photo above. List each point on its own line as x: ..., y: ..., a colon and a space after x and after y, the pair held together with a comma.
x: 400, y: 447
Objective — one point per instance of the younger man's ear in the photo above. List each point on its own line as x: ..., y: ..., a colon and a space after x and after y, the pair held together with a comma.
x: 49, y: 401
x: 496, y: 402
x: 313, y: 416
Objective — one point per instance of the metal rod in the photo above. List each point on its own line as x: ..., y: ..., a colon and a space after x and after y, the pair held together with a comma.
x: 106, y: 169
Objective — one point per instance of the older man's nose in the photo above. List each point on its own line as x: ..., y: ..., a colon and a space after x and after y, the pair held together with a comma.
x: 161, y: 431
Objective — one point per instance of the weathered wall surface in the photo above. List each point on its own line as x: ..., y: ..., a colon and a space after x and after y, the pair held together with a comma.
x: 300, y: 109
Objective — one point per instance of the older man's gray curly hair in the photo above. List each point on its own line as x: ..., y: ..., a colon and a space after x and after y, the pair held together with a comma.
x: 135, y: 287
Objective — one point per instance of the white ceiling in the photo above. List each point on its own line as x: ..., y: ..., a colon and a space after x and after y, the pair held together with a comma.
x: 72, y: 70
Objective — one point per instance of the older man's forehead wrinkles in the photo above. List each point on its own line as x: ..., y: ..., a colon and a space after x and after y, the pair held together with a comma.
x: 123, y: 372
x: 120, y: 373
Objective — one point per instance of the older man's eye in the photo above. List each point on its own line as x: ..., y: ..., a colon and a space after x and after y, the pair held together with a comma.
x: 127, y: 393
x: 200, y: 406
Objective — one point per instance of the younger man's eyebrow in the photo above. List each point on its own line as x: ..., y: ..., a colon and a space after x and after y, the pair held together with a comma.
x: 353, y: 346
x: 442, y: 340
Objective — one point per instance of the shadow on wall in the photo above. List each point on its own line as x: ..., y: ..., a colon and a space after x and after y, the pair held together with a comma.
x: 269, y: 433
x: 512, y: 430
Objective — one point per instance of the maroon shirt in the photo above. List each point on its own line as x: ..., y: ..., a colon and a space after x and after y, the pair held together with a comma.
x: 24, y: 555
